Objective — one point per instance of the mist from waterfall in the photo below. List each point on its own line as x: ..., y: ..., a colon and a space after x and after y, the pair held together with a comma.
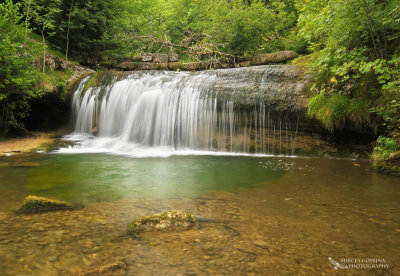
x: 158, y: 113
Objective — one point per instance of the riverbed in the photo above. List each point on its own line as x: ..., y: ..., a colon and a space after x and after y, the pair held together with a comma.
x: 270, y: 215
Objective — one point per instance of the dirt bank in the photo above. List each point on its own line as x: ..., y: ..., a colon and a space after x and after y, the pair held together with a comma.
x: 32, y: 141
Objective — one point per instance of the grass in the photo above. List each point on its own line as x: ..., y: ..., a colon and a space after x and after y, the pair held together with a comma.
x: 53, y: 81
x: 335, y: 111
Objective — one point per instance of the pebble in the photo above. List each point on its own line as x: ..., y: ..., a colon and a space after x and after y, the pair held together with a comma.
x: 52, y: 258
x: 207, y: 258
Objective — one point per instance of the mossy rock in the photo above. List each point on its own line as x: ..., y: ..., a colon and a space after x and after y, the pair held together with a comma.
x: 33, y: 204
x: 387, y: 167
x: 165, y: 221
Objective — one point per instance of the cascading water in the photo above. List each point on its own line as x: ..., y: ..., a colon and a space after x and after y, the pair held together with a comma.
x: 176, y: 112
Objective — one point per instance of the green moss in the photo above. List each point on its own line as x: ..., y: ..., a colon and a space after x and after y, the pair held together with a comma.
x: 90, y: 82
x: 162, y: 221
x: 336, y: 110
x: 37, y: 204
x: 103, y: 79
x: 53, y: 81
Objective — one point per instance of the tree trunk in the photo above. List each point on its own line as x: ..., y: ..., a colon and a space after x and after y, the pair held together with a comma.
x: 44, y: 51
x: 69, y: 23
x: 372, y: 30
x: 26, y: 21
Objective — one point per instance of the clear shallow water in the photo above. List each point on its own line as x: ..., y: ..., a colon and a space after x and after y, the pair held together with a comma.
x: 265, y: 215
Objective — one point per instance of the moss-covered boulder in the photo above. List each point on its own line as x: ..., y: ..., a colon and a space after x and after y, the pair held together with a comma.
x: 34, y: 204
x: 165, y: 221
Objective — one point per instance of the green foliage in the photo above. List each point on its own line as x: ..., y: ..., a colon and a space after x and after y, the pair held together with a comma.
x: 50, y: 48
x: 43, y: 13
x: 389, y: 106
x: 17, y: 76
x: 385, y: 146
x: 20, y: 81
x: 90, y: 27
x: 52, y: 81
x: 100, y: 31
x: 354, y: 46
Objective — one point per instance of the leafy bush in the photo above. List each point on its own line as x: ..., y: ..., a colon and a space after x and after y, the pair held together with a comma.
x: 385, y: 146
x: 17, y: 76
x: 354, y: 62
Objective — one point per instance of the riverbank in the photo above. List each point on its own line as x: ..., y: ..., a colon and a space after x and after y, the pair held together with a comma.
x: 35, y: 140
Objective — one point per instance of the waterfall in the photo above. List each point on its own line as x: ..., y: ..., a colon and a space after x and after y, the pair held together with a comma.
x: 177, y: 111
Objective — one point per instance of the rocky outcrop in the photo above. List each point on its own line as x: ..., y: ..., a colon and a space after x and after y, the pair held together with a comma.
x: 56, y: 63
x: 147, y: 57
x: 166, y: 221
x: 160, y: 58
x: 173, y: 58
x: 79, y: 70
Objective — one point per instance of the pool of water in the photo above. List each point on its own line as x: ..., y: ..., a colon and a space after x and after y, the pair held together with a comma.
x: 259, y: 215
x: 87, y: 178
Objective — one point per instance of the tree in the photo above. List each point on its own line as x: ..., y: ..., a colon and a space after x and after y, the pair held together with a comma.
x: 17, y: 76
x: 85, y: 28
x: 27, y: 4
x: 228, y: 28
x: 68, y: 28
x: 355, y: 45
x: 43, y: 14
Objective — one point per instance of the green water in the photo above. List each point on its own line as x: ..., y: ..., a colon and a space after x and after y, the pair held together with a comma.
x: 87, y: 178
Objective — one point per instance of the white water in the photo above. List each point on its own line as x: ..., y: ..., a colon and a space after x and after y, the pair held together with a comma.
x: 169, y: 113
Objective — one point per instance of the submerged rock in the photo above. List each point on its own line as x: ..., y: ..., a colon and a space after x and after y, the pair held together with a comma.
x: 115, y: 267
x: 24, y: 164
x: 41, y: 204
x: 165, y: 221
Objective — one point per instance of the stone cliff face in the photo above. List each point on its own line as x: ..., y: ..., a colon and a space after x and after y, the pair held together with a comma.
x: 279, y: 87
